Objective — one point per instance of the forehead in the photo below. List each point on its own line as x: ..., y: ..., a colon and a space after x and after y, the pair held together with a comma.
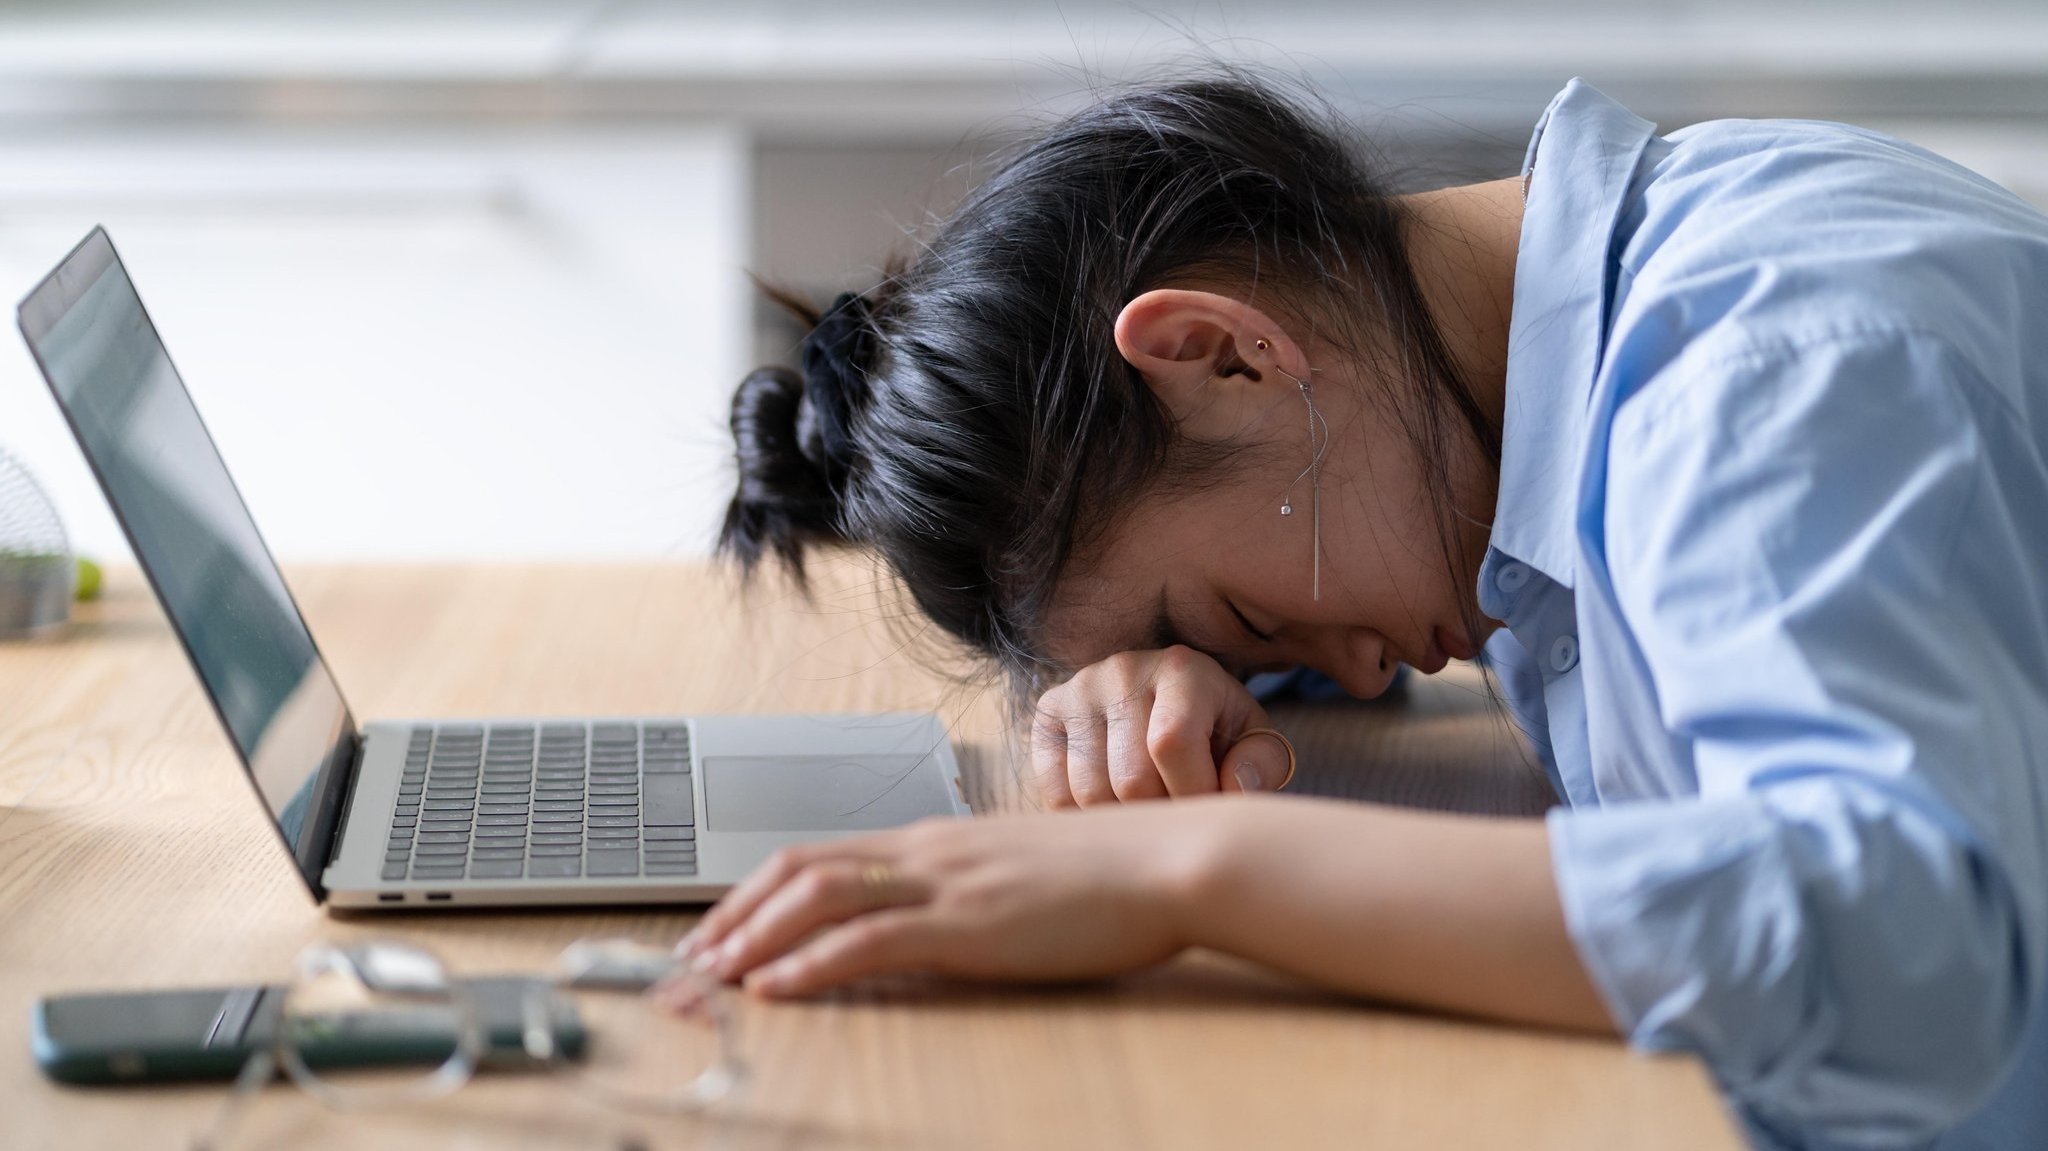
x: 1094, y: 616
x: 1127, y: 598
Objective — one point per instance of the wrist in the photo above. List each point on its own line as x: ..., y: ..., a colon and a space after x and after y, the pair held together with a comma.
x: 1195, y: 883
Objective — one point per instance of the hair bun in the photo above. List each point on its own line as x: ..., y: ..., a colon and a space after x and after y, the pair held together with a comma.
x: 786, y: 496
x: 836, y: 357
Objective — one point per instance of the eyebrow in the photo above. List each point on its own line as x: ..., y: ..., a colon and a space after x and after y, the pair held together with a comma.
x: 1165, y: 632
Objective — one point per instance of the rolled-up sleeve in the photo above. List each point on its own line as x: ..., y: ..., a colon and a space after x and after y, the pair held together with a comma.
x: 1846, y: 921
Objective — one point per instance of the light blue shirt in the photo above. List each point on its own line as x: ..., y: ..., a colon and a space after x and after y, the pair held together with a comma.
x: 1772, y: 553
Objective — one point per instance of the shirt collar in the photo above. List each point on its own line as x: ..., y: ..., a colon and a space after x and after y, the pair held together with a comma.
x: 1582, y: 157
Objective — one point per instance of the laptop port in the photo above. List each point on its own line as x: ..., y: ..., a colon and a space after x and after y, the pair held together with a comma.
x: 438, y: 897
x: 390, y: 897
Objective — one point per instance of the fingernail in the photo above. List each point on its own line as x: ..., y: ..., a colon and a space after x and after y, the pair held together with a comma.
x: 1247, y: 776
x: 705, y: 961
x: 687, y: 945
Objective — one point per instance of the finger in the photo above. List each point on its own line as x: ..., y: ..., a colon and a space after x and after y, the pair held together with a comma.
x: 1178, y: 738
x: 1049, y: 757
x: 740, y: 902
x: 1131, y: 774
x: 901, y: 939
x: 1255, y: 763
x: 1087, y: 765
x: 819, y: 896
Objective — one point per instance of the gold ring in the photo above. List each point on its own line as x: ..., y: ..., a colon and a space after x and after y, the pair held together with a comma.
x: 879, y: 883
x: 1284, y: 742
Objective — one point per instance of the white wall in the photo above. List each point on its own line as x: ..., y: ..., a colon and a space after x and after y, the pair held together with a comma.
x: 415, y: 344
x: 463, y: 278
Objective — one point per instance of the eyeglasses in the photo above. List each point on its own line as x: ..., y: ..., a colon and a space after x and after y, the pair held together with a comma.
x: 382, y: 1024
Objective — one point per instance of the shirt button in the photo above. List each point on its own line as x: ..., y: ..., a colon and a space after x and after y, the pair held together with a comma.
x: 1511, y: 577
x: 1564, y: 653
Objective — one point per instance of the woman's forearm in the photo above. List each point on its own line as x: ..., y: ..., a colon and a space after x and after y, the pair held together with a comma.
x: 1457, y: 913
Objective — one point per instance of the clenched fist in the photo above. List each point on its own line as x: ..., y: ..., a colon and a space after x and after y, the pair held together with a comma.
x: 1149, y: 725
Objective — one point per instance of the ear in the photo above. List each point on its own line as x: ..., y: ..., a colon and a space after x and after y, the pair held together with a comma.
x: 1210, y: 358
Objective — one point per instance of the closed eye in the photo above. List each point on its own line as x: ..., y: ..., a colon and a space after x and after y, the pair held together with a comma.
x: 1257, y: 635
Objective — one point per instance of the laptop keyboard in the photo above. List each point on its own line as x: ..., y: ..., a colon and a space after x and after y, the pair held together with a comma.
x: 556, y: 801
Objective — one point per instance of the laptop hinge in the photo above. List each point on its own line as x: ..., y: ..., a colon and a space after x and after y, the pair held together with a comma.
x: 353, y: 764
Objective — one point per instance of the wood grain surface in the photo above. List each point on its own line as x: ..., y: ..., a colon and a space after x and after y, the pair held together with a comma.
x: 133, y: 855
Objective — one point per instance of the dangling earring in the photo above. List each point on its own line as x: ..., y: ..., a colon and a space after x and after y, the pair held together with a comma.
x: 1318, y: 445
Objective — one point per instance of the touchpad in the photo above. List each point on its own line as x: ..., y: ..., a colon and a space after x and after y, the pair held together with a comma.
x: 820, y: 792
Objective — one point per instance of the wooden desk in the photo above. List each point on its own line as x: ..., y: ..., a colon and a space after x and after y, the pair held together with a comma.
x: 132, y: 854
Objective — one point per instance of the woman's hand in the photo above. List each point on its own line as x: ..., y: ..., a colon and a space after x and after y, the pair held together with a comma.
x: 1442, y: 911
x: 1018, y: 897
x: 1147, y: 725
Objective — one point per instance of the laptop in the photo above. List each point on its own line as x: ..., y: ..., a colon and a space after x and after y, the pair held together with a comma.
x: 427, y: 813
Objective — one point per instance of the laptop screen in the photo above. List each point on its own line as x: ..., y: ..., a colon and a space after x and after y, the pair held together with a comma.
x: 194, y: 538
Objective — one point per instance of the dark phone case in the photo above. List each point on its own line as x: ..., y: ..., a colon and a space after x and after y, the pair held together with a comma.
x: 158, y: 1036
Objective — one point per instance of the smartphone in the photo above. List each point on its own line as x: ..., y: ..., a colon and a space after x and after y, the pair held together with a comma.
x: 158, y: 1036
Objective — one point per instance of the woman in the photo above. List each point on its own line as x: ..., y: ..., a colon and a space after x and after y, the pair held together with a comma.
x: 1719, y: 445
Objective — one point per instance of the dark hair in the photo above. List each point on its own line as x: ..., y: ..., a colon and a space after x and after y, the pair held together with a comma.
x: 988, y: 426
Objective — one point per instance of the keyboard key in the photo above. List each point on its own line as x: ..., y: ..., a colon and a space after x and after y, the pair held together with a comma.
x: 544, y: 849
x: 558, y: 817
x: 497, y: 869
x: 683, y: 833
x: 666, y: 801
x: 500, y: 819
x: 671, y: 869
x: 394, y: 871
x: 498, y: 853
x: 419, y: 872
x: 444, y: 837
x: 613, y: 863
x: 559, y: 867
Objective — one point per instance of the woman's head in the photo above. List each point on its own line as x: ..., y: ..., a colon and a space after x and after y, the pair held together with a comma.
x: 1063, y: 399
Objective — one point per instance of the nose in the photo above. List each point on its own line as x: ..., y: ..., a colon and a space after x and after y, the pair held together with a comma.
x: 1357, y: 659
